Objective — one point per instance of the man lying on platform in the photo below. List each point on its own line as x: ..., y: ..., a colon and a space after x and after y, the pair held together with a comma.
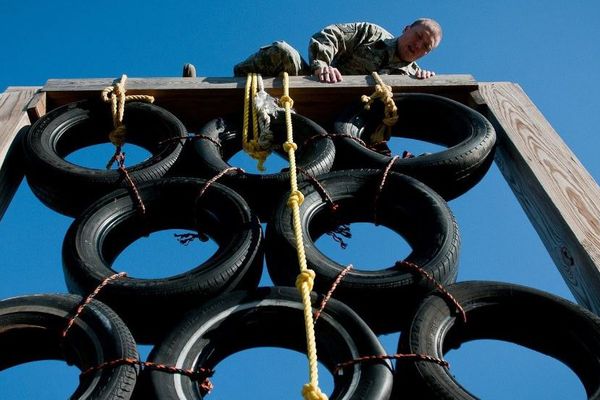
x: 358, y: 48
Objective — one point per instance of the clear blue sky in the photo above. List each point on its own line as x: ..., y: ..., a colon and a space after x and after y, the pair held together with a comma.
x: 550, y: 48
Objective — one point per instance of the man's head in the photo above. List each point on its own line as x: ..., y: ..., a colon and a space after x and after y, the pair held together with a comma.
x: 418, y: 39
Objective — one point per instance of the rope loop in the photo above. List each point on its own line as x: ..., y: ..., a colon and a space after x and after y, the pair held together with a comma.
x: 385, y: 94
x: 255, y: 104
x: 115, y: 95
x: 312, y: 392
x: 305, y: 277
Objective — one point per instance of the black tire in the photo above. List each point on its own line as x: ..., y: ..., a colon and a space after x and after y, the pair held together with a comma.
x: 31, y: 329
x: 149, y: 306
x: 406, y: 206
x: 270, y: 317
x: 528, y: 317
x: 468, y: 136
x: 261, y: 190
x: 69, y: 188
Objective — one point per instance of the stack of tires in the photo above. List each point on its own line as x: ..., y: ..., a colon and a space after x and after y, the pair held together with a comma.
x: 197, y: 318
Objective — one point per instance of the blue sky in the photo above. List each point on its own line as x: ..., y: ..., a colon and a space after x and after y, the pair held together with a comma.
x: 550, y: 48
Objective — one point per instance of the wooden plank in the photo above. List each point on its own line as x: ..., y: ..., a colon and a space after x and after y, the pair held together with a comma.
x: 36, y: 106
x: 197, y: 100
x: 13, y: 120
x: 171, y: 84
x: 560, y: 197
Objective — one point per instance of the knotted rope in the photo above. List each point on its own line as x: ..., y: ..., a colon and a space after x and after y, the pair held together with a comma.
x: 385, y: 94
x: 115, y: 95
x: 305, y: 280
x: 253, y: 147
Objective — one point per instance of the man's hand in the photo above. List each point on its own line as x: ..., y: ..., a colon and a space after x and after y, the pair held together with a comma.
x: 328, y: 75
x: 424, y: 74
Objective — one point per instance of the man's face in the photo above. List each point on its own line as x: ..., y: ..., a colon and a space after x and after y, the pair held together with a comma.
x: 415, y: 42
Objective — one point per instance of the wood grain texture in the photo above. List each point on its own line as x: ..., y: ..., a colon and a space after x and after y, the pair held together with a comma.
x: 36, y: 106
x: 561, y: 199
x: 13, y: 119
x: 198, y: 100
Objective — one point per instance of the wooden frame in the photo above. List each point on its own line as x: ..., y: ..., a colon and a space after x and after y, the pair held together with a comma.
x: 14, y: 103
x: 560, y: 197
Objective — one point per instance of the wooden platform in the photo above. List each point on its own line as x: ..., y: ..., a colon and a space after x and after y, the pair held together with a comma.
x: 198, y: 100
x: 560, y: 197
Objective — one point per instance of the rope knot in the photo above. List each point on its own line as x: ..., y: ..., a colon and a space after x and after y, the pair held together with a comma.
x: 286, y: 100
x: 254, y: 150
x: 307, y: 276
x: 296, y: 197
x: 312, y: 392
x: 368, y: 100
x: 117, y: 135
x: 287, y: 146
x: 389, y: 121
x: 385, y: 94
x: 115, y: 95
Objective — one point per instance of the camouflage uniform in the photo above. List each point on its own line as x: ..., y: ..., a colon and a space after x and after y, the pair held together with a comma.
x: 355, y: 49
x: 273, y: 59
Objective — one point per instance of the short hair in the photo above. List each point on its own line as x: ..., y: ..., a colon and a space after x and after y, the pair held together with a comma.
x: 431, y: 23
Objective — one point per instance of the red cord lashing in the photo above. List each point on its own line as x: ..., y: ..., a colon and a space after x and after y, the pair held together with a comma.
x: 334, y: 136
x: 201, y: 375
x: 384, y: 176
x: 437, y: 285
x: 410, y: 357
x: 88, y: 300
x: 319, y: 188
x: 217, y: 177
x: 336, y: 282
x: 191, y: 137
x: 119, y: 158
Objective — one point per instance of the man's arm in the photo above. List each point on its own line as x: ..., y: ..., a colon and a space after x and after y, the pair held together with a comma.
x: 336, y: 40
x: 324, y: 46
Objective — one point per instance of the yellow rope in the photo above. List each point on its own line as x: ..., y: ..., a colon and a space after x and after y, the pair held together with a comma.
x: 115, y: 95
x: 383, y: 92
x: 251, y: 146
x: 254, y: 116
x: 305, y: 280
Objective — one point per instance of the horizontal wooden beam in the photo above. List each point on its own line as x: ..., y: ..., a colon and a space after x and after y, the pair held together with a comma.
x: 13, y: 120
x: 197, y: 100
x: 561, y: 199
x: 298, y: 82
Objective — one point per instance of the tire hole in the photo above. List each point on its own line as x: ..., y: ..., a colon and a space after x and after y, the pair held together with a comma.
x: 98, y: 155
x: 169, y: 256
x: 416, y: 147
x: 60, y: 380
x: 269, y: 377
x: 273, y: 164
x: 370, y: 248
x: 494, y: 369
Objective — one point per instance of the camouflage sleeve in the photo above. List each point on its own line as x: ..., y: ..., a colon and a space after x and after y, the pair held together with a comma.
x: 336, y: 40
x: 409, y: 69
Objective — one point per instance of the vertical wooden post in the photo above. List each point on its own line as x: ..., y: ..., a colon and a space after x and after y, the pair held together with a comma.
x: 13, y: 120
x: 560, y: 197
